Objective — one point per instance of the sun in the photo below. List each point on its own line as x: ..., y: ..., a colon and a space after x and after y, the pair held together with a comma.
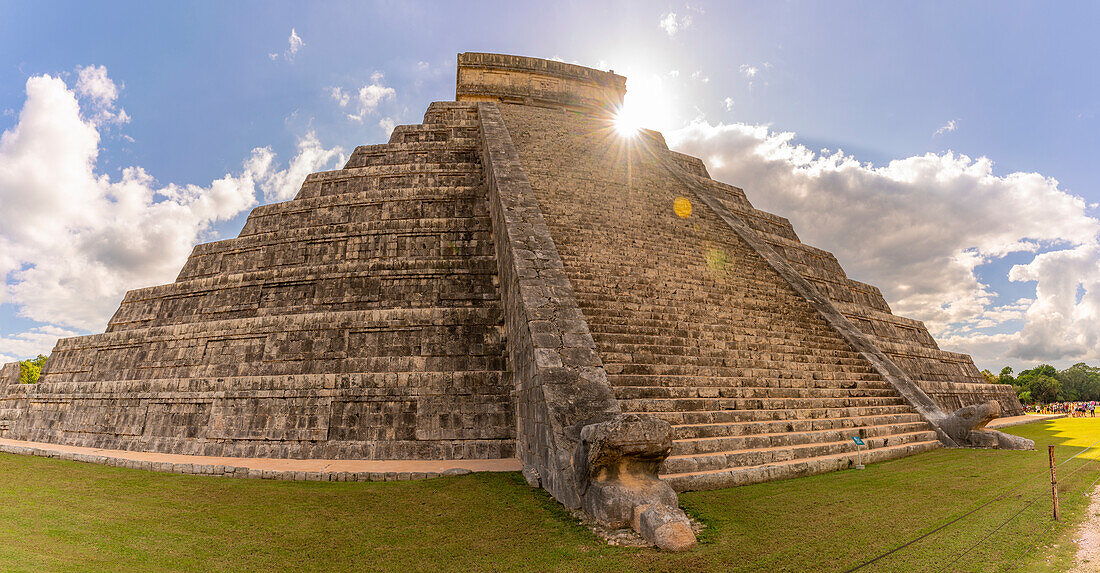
x: 627, y: 124
x: 646, y: 105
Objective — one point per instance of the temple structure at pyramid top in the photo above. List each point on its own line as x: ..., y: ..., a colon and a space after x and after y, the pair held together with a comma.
x: 512, y: 278
x: 534, y: 82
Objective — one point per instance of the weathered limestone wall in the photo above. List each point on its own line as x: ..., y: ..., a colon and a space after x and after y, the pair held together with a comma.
x: 533, y: 81
x: 361, y: 319
x: 9, y: 373
x: 329, y: 416
x: 561, y: 382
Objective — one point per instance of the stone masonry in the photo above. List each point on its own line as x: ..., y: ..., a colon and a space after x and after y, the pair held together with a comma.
x: 512, y: 278
x: 360, y: 320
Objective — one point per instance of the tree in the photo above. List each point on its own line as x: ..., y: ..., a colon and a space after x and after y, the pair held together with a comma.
x: 989, y: 377
x: 30, y: 369
x: 1044, y: 388
x: 1080, y: 382
x: 1044, y: 383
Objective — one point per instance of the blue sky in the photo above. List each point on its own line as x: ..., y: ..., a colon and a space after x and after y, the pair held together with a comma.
x: 219, y: 96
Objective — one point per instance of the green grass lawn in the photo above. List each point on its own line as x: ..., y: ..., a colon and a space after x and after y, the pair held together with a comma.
x: 57, y: 515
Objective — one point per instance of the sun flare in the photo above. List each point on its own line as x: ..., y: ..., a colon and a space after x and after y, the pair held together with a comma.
x: 627, y: 124
x: 646, y: 106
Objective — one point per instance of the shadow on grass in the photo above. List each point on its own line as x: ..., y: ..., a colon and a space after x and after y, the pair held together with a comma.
x: 57, y: 515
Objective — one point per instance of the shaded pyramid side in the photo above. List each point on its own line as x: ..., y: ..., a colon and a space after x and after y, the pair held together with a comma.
x: 950, y: 378
x: 361, y: 319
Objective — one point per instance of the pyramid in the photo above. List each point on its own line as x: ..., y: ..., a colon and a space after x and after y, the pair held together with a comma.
x: 512, y: 278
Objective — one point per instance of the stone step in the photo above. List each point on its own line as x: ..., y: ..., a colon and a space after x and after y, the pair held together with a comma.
x: 352, y: 207
x: 730, y: 358
x: 732, y: 325
x: 453, y: 151
x: 381, y: 283
x: 372, y: 215
x: 616, y: 334
x: 448, y: 112
x: 381, y: 178
x: 695, y: 370
x: 804, y: 380
x: 741, y: 369
x: 245, y: 255
x: 356, y: 384
x: 744, y: 336
x: 650, y: 392
x: 695, y: 431
x: 682, y: 417
x: 748, y: 292
x: 382, y: 267
x: 386, y: 170
x: 628, y: 345
x: 697, y: 446
x: 740, y: 290
x: 724, y: 460
x: 435, y: 132
x: 381, y: 229
x: 328, y: 342
x: 801, y: 467
x: 719, y: 404
x: 732, y: 319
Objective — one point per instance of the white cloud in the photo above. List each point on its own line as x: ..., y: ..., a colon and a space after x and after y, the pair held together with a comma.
x: 31, y: 343
x: 422, y: 65
x: 369, y: 97
x: 387, y: 124
x: 947, y: 127
x: 100, y: 92
x: 919, y: 228
x: 73, y: 239
x: 729, y: 103
x: 751, y: 72
x: 340, y: 96
x: 672, y: 23
x: 698, y: 76
x: 294, y: 45
x: 92, y: 82
x: 282, y: 185
x: 673, y: 73
x: 1063, y: 322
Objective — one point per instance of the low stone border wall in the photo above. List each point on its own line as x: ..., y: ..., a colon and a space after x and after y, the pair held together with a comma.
x: 242, y: 471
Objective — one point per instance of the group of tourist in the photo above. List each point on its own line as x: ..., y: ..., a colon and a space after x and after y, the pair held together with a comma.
x: 1074, y: 409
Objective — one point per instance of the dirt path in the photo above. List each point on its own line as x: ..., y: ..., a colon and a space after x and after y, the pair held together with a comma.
x: 1088, y: 538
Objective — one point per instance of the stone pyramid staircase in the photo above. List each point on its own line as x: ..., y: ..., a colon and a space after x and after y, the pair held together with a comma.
x: 756, y: 386
x: 695, y: 328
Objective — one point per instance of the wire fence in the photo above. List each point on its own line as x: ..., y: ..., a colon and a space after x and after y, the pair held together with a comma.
x: 1003, y: 495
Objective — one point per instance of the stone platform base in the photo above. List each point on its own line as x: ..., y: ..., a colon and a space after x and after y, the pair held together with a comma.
x: 1021, y: 419
x: 261, y: 468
